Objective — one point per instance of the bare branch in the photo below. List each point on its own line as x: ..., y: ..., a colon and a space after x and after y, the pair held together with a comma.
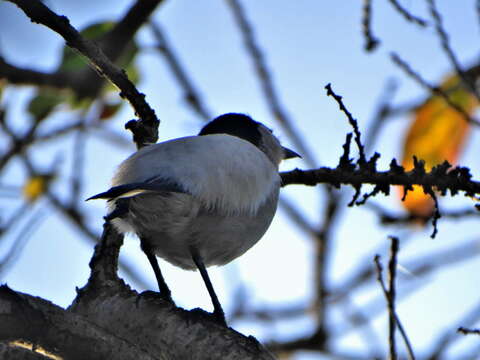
x: 390, y: 294
x: 445, y: 41
x: 192, y: 96
x: 22, y: 76
x: 353, y: 123
x: 449, y: 336
x: 21, y: 240
x: 409, y: 17
x: 433, y: 89
x: 266, y: 81
x: 371, y: 41
x: 466, y: 331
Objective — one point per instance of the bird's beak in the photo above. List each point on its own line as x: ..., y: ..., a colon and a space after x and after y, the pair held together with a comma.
x: 289, y: 154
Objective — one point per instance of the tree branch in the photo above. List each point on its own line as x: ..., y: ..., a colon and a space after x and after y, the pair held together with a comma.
x: 455, y: 180
x: 145, y: 130
x: 63, y: 333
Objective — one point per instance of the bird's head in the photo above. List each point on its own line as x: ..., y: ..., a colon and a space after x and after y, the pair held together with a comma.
x: 244, y: 127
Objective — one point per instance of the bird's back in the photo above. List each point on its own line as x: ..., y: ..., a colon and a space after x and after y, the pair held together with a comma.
x: 221, y: 171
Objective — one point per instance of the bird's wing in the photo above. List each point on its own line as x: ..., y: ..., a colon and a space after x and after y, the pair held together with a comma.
x: 220, y: 171
x: 127, y: 190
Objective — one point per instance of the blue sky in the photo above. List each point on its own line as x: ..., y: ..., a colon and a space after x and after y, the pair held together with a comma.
x: 307, y: 45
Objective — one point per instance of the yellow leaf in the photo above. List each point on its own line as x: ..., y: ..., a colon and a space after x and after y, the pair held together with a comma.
x: 437, y: 133
x: 35, y: 187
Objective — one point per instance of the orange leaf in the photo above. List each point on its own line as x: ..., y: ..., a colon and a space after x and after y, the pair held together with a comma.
x: 437, y: 133
x: 35, y: 187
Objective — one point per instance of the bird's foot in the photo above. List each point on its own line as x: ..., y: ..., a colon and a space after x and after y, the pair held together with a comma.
x: 218, y: 318
x: 148, y: 294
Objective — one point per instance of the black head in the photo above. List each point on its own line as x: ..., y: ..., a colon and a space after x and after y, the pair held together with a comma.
x: 239, y: 125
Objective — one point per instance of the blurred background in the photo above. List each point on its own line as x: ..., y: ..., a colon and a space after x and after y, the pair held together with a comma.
x: 308, y: 288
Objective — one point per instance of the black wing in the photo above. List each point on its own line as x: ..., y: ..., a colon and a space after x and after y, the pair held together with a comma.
x: 157, y: 185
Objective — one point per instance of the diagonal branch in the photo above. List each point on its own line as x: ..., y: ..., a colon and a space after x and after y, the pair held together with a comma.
x: 266, y: 81
x: 146, y: 130
x: 435, y: 90
x: 390, y: 294
x: 192, y: 96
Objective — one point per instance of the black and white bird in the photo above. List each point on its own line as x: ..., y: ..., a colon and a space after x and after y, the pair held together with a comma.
x: 199, y: 201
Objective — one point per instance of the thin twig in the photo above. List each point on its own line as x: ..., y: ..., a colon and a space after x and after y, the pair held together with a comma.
x: 445, y: 41
x: 477, y: 6
x: 392, y: 271
x: 383, y: 111
x: 17, y: 215
x: 465, y: 331
x: 409, y: 17
x: 391, y: 310
x: 433, y: 89
x: 353, y: 122
x: 449, y: 336
x: 371, y: 41
x: 192, y: 95
x: 394, y: 320
x: 296, y: 216
x: 19, y: 243
x: 78, y: 164
x: 266, y: 82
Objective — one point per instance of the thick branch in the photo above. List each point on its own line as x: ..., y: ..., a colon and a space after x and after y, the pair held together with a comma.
x: 23, y: 76
x: 28, y: 318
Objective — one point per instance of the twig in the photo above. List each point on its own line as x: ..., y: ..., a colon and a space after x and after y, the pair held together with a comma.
x: 436, y: 212
x: 77, y: 218
x: 433, y: 89
x: 357, y: 316
x: 192, y: 96
x: 383, y: 111
x: 353, y: 123
x: 17, y: 215
x: 449, y: 336
x: 390, y: 293
x: 296, y: 216
x: 466, y: 331
x: 392, y: 272
x: 266, y: 82
x: 371, y: 41
x: 18, y: 143
x: 78, y: 164
x: 477, y: 6
x: 420, y: 267
x: 409, y: 17
x: 391, y: 310
x: 442, y: 34
x: 389, y: 218
x: 19, y: 243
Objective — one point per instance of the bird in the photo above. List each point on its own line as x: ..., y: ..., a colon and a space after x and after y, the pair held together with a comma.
x: 199, y: 201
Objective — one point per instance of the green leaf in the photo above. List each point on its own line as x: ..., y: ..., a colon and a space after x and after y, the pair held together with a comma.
x: 44, y: 102
x: 71, y: 60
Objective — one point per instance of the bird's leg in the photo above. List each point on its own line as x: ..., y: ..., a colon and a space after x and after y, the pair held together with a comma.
x: 217, y: 308
x: 162, y: 285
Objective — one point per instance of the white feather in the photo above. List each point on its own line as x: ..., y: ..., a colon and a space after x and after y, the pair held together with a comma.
x: 222, y: 171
